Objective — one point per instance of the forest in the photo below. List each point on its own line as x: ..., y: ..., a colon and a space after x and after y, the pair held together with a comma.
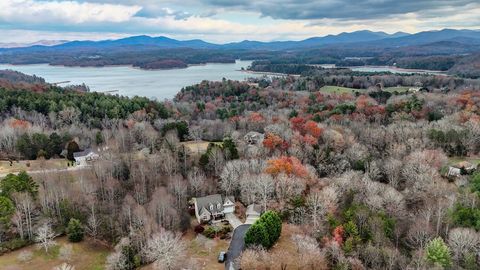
x: 346, y: 180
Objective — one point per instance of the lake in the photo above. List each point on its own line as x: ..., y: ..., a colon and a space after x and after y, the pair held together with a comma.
x: 129, y: 81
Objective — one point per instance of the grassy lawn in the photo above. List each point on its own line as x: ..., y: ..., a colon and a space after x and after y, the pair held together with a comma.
x: 455, y: 160
x: 204, y: 252
x: 85, y: 256
x: 34, y: 165
x: 197, y: 147
x: 399, y: 89
x: 337, y: 89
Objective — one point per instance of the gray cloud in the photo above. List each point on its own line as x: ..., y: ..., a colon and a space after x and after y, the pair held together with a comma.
x: 154, y: 12
x: 338, y: 9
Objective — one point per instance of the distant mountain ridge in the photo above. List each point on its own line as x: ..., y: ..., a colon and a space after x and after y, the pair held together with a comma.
x: 161, y: 41
x: 37, y: 43
x: 357, y: 38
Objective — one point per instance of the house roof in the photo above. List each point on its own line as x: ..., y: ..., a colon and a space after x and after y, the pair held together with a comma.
x: 83, y: 153
x: 254, y: 209
x: 254, y: 135
x: 215, y: 200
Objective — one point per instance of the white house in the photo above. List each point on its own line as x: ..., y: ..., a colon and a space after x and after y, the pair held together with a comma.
x: 81, y: 158
x: 254, y: 138
x: 213, y: 207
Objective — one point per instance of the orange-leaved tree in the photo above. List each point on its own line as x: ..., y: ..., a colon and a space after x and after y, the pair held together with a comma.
x: 287, y: 165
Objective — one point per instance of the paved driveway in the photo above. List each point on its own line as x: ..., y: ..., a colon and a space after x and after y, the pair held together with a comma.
x: 233, y: 220
x: 251, y: 219
x: 236, y: 246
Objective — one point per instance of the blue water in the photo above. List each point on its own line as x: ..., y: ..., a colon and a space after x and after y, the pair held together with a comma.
x: 129, y: 81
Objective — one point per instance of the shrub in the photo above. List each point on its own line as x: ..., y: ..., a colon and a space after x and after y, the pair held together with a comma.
x: 210, y: 232
x: 199, y: 229
x: 7, y: 208
x: 75, y: 230
x: 265, y: 231
x: 18, y: 183
x: 257, y: 234
x: 437, y: 252
x: 12, y: 245
x: 466, y: 216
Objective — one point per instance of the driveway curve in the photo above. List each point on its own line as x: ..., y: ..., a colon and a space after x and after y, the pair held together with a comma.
x: 236, y: 247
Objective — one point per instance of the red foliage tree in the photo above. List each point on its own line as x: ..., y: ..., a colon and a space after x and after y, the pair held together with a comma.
x: 338, y: 234
x: 256, y: 117
x: 287, y: 165
x: 297, y: 123
x: 272, y: 141
x: 312, y: 128
x: 17, y: 123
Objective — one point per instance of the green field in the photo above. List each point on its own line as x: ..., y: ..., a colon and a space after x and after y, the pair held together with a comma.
x: 338, y: 89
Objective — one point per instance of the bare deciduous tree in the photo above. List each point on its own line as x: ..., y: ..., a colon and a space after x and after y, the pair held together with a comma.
x: 463, y: 241
x: 93, y: 224
x: 165, y: 249
x: 265, y: 187
x: 197, y: 181
x: 44, y: 237
x: 117, y: 260
x: 64, y: 266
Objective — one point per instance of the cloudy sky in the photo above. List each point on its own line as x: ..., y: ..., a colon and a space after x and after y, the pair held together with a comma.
x: 226, y: 20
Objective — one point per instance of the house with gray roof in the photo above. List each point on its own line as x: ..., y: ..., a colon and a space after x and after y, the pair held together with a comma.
x: 213, y: 207
x: 82, y: 157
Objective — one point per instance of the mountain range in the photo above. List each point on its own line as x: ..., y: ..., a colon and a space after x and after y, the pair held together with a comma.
x: 37, y: 43
x: 358, y: 38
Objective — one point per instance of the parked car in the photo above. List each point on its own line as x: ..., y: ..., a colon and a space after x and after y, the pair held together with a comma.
x: 222, y: 257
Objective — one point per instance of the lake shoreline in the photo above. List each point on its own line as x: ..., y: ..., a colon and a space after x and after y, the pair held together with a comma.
x: 126, y: 65
x: 126, y: 80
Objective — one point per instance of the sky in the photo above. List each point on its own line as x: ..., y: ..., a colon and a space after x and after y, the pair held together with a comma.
x: 223, y: 21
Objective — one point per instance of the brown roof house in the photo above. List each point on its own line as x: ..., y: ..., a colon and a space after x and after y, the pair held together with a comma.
x: 213, y: 207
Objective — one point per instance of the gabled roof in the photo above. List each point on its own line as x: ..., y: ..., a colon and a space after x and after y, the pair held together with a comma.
x: 203, y: 211
x: 83, y: 153
x: 212, y: 200
x: 216, y: 201
x: 230, y: 198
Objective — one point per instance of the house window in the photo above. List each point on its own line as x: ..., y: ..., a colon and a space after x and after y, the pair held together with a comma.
x: 211, y: 207
x: 219, y: 206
